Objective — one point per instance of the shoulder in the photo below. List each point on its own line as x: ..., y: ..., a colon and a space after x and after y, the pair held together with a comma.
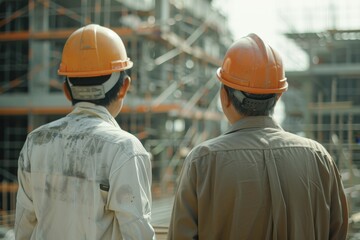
x: 294, y: 139
x: 206, y: 148
x: 45, y: 129
x: 118, y: 135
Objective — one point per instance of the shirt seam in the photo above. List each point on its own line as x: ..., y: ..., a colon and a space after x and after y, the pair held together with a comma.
x: 259, y: 149
x: 124, y: 162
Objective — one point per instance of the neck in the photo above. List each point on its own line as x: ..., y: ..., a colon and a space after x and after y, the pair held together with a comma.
x: 114, y: 107
x: 232, y: 115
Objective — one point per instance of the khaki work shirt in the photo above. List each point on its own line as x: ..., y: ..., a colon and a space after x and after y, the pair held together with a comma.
x: 259, y: 182
x: 83, y: 177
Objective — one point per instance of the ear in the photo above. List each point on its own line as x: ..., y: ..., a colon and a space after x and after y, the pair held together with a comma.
x: 125, y: 87
x: 66, y: 92
x: 224, y: 97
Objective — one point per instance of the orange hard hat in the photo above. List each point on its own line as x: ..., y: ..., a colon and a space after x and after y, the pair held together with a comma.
x: 252, y: 66
x: 92, y: 51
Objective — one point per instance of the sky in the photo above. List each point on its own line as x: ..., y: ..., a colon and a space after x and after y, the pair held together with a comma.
x: 270, y: 19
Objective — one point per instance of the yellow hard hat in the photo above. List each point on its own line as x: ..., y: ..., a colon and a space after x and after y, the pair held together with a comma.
x: 92, y: 51
x: 252, y: 66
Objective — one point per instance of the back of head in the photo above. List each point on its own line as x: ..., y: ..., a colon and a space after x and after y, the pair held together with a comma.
x: 94, y: 59
x: 253, y: 75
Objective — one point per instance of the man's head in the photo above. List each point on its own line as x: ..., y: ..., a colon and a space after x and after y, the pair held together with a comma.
x: 93, y: 62
x: 253, y: 77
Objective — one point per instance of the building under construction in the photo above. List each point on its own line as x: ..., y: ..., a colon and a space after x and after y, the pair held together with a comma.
x: 176, y: 46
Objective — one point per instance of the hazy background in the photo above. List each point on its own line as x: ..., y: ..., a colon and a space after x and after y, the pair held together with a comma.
x: 272, y: 18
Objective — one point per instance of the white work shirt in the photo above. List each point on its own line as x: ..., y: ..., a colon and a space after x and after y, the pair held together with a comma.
x: 83, y: 177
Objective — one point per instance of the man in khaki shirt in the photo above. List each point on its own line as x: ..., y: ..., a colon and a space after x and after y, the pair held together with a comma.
x: 257, y: 181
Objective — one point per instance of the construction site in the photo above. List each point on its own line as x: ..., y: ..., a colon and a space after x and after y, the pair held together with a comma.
x: 173, y: 103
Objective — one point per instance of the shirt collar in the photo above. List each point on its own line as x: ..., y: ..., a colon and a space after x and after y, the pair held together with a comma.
x: 94, y: 110
x: 253, y: 122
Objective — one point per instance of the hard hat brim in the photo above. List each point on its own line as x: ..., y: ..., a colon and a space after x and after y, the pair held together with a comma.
x: 230, y: 81
x: 115, y: 68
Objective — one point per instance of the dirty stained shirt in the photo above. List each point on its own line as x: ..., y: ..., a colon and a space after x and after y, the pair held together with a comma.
x: 83, y: 177
x: 257, y: 181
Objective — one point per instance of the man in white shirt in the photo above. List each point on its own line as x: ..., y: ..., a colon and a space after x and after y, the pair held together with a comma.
x: 82, y: 176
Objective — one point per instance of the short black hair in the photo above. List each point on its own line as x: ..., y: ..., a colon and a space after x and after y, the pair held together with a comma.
x: 90, y: 81
x: 252, y: 104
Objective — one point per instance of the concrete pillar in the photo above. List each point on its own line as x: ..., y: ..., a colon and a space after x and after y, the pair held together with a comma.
x: 39, y: 59
x: 162, y: 14
x: 39, y: 56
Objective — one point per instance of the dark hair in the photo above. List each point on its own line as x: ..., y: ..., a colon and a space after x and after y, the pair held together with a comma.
x: 90, y: 81
x: 251, y: 104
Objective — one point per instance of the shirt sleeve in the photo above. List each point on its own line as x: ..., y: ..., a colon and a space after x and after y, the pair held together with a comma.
x: 25, y: 218
x: 339, y: 209
x: 130, y: 198
x: 184, y: 218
